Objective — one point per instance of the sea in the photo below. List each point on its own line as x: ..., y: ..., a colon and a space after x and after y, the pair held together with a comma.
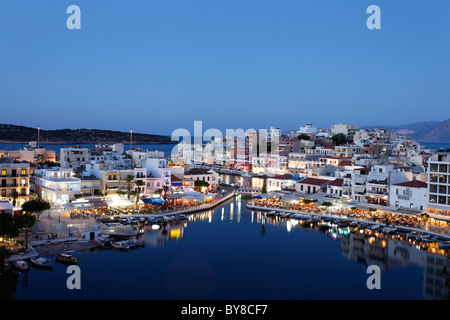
x: 166, y: 148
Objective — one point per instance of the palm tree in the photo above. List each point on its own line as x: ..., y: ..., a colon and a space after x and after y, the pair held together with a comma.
x: 14, y: 195
x: 128, y: 179
x: 264, y: 186
x: 138, y: 184
x: 165, y: 189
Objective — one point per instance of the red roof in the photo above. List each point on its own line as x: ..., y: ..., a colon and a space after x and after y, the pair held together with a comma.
x: 412, y: 184
x: 337, y: 183
x: 198, y: 171
x: 314, y: 181
x: 174, y: 178
x: 345, y: 163
x: 363, y: 169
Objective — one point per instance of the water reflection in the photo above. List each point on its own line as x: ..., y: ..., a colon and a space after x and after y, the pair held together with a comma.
x: 231, y: 235
x: 361, y: 246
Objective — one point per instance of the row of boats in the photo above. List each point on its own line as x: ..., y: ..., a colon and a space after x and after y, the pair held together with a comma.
x: 378, y: 228
x: 152, y: 220
x: 42, y: 262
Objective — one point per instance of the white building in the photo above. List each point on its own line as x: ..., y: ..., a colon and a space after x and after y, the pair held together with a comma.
x: 57, y: 185
x: 411, y: 194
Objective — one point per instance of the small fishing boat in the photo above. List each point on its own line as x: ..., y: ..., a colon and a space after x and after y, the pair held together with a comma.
x: 428, y: 238
x: 444, y: 245
x: 362, y: 225
x: 41, y: 262
x: 101, y: 241
x: 137, y: 243
x: 66, y: 258
x: 21, y: 265
x: 353, y: 224
x: 120, y: 245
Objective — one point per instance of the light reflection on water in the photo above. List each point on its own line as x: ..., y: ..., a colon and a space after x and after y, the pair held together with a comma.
x: 235, y: 253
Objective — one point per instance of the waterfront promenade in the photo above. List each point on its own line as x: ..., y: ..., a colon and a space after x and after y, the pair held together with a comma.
x: 252, y: 206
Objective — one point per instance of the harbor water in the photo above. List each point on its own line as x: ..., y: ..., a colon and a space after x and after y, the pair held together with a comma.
x: 232, y: 252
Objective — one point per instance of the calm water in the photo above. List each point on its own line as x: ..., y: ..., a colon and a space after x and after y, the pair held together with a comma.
x: 234, y: 253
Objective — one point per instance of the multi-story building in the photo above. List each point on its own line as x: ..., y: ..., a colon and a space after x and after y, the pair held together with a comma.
x: 57, y: 185
x: 74, y: 157
x: 347, y: 129
x: 410, y: 194
x: 14, y: 181
x: 439, y: 183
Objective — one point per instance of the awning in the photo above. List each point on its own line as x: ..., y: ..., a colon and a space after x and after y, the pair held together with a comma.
x: 119, y: 203
x: 360, y: 180
x: 154, y: 201
x: 378, y: 177
x: 360, y: 189
x: 177, y: 184
x: 289, y: 198
x: 5, y: 205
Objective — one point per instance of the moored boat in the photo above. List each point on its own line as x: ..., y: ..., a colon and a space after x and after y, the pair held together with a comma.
x: 137, y: 243
x: 120, y: 245
x: 66, y: 258
x: 21, y: 265
x: 42, y: 262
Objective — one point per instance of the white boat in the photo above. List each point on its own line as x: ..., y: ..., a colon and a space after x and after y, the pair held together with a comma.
x: 21, y: 265
x: 137, y: 243
x: 42, y: 262
x: 120, y: 245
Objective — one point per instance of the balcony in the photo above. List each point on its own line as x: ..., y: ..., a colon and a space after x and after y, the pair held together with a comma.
x: 404, y: 196
x: 381, y: 193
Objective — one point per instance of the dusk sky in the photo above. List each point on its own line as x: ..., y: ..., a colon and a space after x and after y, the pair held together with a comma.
x: 155, y: 66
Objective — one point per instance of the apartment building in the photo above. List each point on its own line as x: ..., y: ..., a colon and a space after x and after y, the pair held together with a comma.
x: 439, y: 183
x: 14, y: 181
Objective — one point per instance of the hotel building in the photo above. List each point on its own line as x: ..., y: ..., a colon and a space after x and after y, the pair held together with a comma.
x: 439, y: 183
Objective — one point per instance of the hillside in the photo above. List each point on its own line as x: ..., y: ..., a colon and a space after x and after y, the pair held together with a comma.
x: 431, y: 131
x: 20, y: 134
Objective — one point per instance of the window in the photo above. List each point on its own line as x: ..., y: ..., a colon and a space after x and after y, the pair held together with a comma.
x: 4, y: 173
x: 24, y: 172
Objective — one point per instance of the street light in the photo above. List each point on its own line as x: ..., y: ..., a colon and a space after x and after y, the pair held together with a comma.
x: 69, y: 226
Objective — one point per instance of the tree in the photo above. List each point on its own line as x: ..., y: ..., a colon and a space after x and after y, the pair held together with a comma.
x: 25, y: 222
x: 8, y: 229
x: 327, y: 204
x: 14, y: 195
x: 166, y: 189
x: 307, y: 201
x: 339, y: 139
x: 36, y: 206
x: 199, y: 184
x: 303, y: 137
x: 264, y: 186
x: 128, y: 179
x: 138, y: 184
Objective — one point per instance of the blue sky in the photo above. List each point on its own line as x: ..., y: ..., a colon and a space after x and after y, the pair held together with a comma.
x: 155, y: 66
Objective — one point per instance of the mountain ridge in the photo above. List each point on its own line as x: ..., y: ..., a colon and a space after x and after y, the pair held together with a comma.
x: 21, y: 134
x: 426, y: 131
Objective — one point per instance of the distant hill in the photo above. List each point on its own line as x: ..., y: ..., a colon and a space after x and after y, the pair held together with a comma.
x: 430, y: 131
x: 20, y: 134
